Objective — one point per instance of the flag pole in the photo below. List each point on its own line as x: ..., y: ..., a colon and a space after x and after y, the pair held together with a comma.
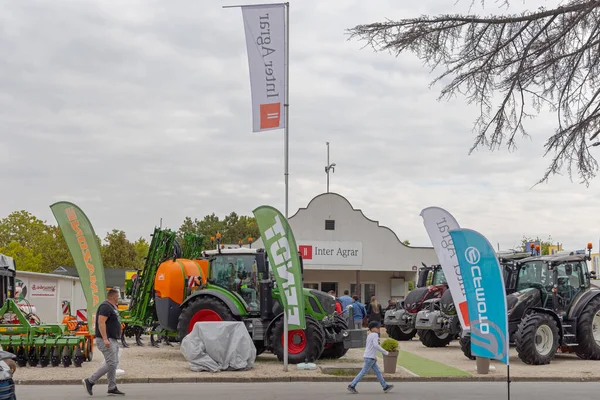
x: 508, y: 379
x: 286, y: 141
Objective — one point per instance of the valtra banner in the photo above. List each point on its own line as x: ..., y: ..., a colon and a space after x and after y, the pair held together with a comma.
x: 438, y: 223
x: 266, y: 45
x: 282, y: 252
x: 81, y: 241
x: 485, y: 292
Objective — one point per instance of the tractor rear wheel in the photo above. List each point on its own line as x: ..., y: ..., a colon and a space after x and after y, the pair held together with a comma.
x: 303, y: 345
x: 537, y: 339
x: 465, y: 346
x: 588, y: 331
x: 202, y: 309
x: 395, y: 332
x: 431, y: 338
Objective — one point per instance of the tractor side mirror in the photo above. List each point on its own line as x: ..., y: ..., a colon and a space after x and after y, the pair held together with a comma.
x: 592, y: 274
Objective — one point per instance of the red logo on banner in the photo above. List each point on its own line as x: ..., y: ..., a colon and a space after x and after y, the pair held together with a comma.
x: 270, y: 114
x: 305, y: 252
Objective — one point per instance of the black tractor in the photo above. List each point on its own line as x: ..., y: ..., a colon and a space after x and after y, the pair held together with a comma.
x: 400, y: 322
x: 438, y: 324
x: 553, y: 305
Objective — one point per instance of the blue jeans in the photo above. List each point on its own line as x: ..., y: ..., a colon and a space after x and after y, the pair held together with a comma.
x: 370, y: 364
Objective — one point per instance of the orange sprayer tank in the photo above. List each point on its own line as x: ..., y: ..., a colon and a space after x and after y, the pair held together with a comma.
x: 171, y: 288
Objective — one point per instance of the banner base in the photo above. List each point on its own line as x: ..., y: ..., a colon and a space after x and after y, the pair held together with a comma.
x: 483, y: 366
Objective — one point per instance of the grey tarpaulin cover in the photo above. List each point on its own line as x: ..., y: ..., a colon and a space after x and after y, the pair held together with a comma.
x: 219, y: 346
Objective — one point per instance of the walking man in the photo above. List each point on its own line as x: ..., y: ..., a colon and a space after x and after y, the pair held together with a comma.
x: 108, y: 332
x: 371, y: 359
x: 346, y: 300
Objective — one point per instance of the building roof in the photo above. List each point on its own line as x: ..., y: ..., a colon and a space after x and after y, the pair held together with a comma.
x: 114, y: 277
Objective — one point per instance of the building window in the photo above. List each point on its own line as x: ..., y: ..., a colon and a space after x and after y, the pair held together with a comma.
x: 314, y: 286
x: 367, y: 290
x: 330, y: 225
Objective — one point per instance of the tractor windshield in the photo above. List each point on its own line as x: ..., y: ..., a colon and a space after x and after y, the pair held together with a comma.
x: 237, y: 273
x: 533, y: 273
x: 438, y: 277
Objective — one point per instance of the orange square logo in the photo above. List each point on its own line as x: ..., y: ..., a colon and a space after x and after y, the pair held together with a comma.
x: 270, y: 114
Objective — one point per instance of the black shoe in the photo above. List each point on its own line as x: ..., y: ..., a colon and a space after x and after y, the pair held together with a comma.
x: 88, y: 386
x: 352, y: 390
x: 116, y: 391
x: 388, y: 388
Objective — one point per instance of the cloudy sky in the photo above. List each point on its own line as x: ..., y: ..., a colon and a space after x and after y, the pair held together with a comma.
x: 140, y: 109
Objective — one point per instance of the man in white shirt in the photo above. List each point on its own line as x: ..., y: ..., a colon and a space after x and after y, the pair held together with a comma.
x: 371, y: 359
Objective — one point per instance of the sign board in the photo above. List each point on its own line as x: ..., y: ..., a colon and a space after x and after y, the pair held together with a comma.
x: 330, y: 253
x: 42, y: 289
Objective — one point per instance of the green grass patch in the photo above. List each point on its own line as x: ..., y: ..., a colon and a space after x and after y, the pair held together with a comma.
x: 425, y: 367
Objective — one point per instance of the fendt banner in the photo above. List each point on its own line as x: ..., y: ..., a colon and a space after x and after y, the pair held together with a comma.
x: 438, y: 223
x: 81, y: 240
x: 485, y: 292
x: 266, y: 44
x: 282, y: 252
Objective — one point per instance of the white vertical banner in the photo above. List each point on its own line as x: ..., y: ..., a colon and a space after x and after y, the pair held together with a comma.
x: 266, y: 44
x: 438, y: 223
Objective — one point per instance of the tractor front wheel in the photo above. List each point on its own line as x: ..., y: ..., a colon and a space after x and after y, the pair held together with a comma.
x: 202, y: 309
x: 465, y: 346
x: 537, y: 339
x: 303, y: 345
x: 395, y: 332
x: 588, y: 330
x: 431, y: 338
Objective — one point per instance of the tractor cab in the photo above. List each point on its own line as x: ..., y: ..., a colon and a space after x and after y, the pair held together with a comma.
x: 237, y: 270
x: 431, y: 276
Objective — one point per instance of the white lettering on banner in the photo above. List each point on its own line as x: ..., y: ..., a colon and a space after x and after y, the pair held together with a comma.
x: 438, y: 223
x: 472, y: 257
x: 330, y: 253
x: 280, y: 252
x: 265, y: 42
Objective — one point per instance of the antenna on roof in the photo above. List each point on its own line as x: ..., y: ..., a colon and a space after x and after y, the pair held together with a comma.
x: 329, y: 167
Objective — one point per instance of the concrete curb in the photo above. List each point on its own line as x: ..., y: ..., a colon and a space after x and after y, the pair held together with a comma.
x: 217, y: 379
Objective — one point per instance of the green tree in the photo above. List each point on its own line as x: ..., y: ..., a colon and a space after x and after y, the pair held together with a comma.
x: 141, y: 252
x: 25, y: 259
x: 40, y: 238
x: 406, y: 242
x: 544, y: 244
x: 118, y: 252
x: 232, y: 228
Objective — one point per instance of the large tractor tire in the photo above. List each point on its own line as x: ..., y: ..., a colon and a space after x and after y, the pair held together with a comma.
x: 465, y: 346
x: 395, y: 332
x: 336, y: 350
x: 303, y: 345
x: 431, y: 338
x: 537, y: 339
x: 588, y: 331
x: 202, y: 309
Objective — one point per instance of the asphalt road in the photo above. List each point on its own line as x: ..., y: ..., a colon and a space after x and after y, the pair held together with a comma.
x: 321, y: 391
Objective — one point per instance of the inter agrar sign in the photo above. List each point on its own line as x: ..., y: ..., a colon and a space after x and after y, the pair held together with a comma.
x: 331, y: 253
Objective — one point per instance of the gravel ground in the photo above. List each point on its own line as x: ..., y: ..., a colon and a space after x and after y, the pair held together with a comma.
x: 169, y: 364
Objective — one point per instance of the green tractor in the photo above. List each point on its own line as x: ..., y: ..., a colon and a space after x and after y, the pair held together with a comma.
x: 240, y: 287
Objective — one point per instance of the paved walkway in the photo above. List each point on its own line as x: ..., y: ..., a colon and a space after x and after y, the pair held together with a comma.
x: 321, y: 391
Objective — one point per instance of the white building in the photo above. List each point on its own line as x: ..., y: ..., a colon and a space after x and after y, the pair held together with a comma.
x: 342, y: 250
x: 46, y: 292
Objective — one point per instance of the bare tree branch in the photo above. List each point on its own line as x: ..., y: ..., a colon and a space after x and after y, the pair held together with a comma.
x: 548, y: 59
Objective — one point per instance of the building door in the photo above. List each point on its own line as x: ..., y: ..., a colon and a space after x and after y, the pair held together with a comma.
x: 327, y: 286
x: 367, y: 290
